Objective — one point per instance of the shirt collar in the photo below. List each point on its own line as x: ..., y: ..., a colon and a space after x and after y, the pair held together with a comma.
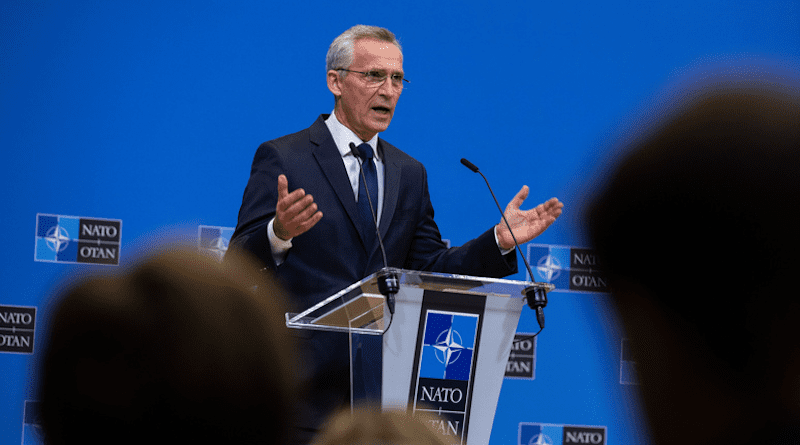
x: 343, y: 136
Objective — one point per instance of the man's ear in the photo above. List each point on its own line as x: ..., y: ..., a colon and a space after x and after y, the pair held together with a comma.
x: 334, y: 83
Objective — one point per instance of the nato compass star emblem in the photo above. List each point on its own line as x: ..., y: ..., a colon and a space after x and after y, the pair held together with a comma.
x: 540, y: 439
x: 549, y: 268
x: 57, y: 238
x: 448, y: 346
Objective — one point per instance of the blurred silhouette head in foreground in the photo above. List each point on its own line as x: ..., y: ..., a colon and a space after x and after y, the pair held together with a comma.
x: 368, y: 425
x: 180, y: 349
x: 699, y: 232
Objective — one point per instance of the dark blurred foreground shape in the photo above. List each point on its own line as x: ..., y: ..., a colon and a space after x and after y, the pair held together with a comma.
x: 180, y: 349
x: 699, y: 231
x: 368, y: 425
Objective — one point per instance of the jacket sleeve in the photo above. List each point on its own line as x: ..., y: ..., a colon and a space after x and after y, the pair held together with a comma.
x: 478, y: 257
x: 258, y: 205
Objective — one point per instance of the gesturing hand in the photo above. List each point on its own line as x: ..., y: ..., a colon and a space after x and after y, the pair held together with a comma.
x: 526, y: 224
x: 295, y: 212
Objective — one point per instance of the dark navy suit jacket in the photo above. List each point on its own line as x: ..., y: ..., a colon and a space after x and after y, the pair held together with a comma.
x: 332, y: 254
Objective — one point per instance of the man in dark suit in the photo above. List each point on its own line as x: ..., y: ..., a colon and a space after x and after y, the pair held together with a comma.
x: 315, y: 237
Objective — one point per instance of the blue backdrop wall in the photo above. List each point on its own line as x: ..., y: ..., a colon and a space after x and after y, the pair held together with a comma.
x: 148, y: 113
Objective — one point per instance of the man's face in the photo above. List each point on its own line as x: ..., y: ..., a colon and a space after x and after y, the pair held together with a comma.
x: 364, y: 107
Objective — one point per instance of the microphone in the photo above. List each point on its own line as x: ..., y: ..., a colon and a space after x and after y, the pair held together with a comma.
x: 535, y: 296
x: 388, y: 280
x: 474, y: 169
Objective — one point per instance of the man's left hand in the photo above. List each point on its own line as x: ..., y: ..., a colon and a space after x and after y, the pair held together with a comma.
x: 526, y: 224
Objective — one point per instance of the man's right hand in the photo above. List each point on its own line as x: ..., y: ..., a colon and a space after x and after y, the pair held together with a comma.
x: 295, y: 212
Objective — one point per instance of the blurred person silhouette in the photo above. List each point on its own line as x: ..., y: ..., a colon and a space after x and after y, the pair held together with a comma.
x: 698, y: 230
x: 367, y: 425
x: 180, y: 349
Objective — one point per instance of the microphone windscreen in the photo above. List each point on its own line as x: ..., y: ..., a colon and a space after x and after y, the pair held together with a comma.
x: 469, y: 165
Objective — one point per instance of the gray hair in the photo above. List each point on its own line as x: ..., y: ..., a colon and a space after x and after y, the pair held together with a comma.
x: 340, y: 53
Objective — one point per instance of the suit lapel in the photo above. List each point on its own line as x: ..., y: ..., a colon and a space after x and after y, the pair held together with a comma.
x: 330, y: 161
x: 391, y: 186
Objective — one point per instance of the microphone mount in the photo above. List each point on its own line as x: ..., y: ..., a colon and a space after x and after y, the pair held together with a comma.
x: 389, y: 286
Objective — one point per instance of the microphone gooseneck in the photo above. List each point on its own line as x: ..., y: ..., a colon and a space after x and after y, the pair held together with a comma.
x: 388, y: 280
x: 534, y: 295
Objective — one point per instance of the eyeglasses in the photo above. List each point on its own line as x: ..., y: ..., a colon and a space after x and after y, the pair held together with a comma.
x: 377, y: 77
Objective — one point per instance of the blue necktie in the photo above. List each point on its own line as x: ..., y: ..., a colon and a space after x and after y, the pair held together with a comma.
x: 371, y: 174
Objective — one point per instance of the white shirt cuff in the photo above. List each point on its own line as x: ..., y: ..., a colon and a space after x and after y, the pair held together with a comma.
x: 278, y: 246
x: 497, y: 241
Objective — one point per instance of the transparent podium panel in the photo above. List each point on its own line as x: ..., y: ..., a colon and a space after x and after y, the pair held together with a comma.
x: 448, y: 334
x: 360, y: 308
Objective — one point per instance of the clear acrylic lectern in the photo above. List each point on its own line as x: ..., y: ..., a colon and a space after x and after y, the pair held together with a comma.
x: 445, y: 346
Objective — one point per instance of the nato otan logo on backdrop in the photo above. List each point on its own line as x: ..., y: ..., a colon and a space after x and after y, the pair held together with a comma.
x: 214, y: 240
x: 522, y: 359
x: 549, y: 434
x: 568, y: 268
x: 76, y: 239
x: 32, y: 433
x: 17, y: 326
